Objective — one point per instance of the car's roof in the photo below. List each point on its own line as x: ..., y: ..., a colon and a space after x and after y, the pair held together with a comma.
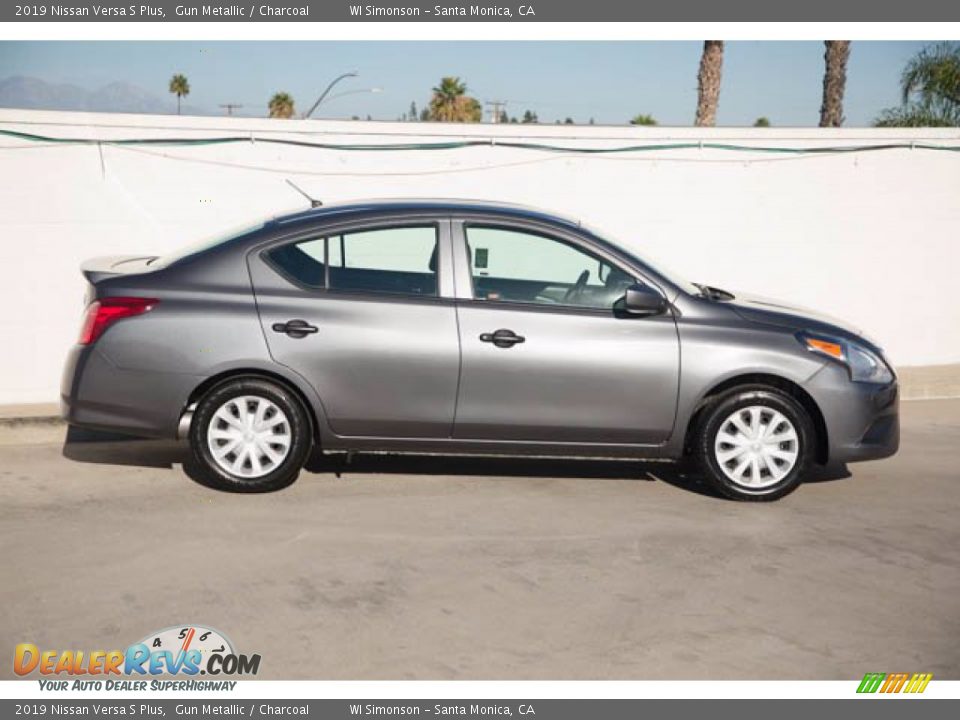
x: 414, y: 206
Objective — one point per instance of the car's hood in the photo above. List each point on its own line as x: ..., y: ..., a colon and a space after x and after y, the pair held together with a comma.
x: 776, y: 312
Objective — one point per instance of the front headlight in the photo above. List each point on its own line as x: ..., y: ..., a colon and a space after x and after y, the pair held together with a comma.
x: 864, y: 365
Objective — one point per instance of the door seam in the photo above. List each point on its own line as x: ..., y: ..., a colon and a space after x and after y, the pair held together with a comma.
x: 456, y: 315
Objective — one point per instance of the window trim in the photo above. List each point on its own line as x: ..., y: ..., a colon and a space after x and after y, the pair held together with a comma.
x: 325, y: 233
x: 461, y: 227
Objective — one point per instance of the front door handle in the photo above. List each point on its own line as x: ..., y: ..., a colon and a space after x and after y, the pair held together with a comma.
x: 503, y: 338
x: 295, y: 328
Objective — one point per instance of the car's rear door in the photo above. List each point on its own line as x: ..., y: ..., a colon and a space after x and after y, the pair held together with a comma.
x: 545, y: 356
x: 365, y: 313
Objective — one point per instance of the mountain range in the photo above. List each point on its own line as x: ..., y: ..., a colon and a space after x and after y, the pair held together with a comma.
x: 120, y: 97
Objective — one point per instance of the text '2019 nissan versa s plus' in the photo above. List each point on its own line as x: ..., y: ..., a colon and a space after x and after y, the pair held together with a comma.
x: 462, y: 327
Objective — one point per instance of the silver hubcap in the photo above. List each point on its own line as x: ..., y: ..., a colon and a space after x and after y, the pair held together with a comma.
x: 249, y: 436
x: 756, y: 447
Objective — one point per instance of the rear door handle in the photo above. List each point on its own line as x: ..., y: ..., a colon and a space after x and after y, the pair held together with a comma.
x: 503, y: 338
x: 295, y: 328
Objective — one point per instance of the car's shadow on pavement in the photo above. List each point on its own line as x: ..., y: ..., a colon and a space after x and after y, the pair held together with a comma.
x: 89, y: 446
x: 101, y: 448
x: 344, y: 465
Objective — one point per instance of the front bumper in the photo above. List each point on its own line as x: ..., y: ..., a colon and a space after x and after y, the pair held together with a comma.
x: 862, y: 420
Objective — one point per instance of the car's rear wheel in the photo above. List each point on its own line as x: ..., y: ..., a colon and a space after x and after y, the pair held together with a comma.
x: 755, y: 443
x: 249, y: 435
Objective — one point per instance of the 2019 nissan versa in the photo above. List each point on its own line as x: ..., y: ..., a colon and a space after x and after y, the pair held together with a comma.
x: 464, y: 327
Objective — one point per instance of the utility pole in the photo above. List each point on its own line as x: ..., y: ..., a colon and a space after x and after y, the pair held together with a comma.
x: 230, y: 107
x: 496, y: 109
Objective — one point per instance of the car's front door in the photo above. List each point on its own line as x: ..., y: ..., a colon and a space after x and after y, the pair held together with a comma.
x: 545, y: 355
x: 361, y: 313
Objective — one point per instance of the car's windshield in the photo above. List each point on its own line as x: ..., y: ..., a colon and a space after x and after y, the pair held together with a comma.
x: 199, y: 246
x: 657, y: 267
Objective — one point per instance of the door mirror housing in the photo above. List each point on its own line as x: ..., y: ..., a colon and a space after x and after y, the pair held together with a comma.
x: 643, y: 300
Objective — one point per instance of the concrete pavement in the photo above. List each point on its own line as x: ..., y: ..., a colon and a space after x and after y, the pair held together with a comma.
x: 452, y: 568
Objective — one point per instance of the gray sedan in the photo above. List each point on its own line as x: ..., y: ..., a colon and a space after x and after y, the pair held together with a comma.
x: 464, y: 327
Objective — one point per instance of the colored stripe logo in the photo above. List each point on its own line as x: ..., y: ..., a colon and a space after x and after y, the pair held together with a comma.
x: 894, y: 682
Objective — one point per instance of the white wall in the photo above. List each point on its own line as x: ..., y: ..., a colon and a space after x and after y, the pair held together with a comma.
x: 870, y: 237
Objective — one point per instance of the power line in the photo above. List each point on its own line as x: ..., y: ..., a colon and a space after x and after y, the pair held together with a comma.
x: 230, y: 107
x: 498, y: 107
x: 454, y: 144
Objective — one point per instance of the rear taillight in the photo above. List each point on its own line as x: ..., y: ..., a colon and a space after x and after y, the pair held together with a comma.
x: 101, y: 314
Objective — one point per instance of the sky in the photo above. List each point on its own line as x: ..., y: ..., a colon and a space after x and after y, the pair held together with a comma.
x: 607, y: 81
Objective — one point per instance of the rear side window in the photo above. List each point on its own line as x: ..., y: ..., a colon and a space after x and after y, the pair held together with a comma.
x: 399, y: 261
x: 303, y: 262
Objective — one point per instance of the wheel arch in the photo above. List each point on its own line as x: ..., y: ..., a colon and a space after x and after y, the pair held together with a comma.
x: 822, y: 448
x: 259, y: 374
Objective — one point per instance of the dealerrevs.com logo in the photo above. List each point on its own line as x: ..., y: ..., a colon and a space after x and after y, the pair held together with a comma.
x: 187, y: 650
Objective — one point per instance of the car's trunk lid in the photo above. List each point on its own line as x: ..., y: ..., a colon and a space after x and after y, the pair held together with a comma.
x: 100, y: 268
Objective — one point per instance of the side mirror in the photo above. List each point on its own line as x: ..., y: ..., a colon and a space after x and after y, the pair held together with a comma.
x: 642, y: 300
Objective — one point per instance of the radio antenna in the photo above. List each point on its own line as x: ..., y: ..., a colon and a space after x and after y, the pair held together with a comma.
x: 314, y: 203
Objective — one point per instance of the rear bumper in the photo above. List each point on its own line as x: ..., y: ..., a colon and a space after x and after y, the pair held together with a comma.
x: 96, y: 394
x: 862, y: 420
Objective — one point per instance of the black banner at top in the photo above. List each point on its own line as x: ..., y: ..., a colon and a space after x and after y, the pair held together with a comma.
x: 490, y: 11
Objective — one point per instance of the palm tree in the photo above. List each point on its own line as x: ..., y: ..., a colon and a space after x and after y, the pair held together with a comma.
x: 934, y: 75
x: 445, y: 97
x: 762, y: 121
x: 281, y: 105
x: 835, y: 57
x: 180, y: 87
x: 708, y: 83
x: 643, y: 119
x: 930, y: 87
x: 450, y: 102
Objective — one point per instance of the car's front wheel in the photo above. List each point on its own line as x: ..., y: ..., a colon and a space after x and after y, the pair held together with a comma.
x: 249, y: 435
x: 755, y: 443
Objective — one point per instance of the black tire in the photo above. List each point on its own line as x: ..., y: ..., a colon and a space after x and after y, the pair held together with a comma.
x: 204, y: 467
x: 717, y: 413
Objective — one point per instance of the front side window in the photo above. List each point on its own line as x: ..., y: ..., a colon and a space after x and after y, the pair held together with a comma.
x: 510, y: 265
x: 400, y: 260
